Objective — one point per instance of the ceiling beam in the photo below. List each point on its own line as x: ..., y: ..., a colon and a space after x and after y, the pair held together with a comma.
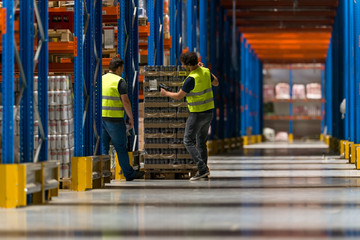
x: 284, y: 29
x: 284, y: 13
x: 280, y: 3
x: 279, y: 23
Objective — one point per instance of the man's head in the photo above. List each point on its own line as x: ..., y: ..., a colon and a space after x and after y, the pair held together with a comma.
x: 189, y: 60
x: 116, y: 65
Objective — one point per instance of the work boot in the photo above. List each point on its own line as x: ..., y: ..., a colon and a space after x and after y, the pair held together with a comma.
x: 199, y: 175
x: 138, y: 175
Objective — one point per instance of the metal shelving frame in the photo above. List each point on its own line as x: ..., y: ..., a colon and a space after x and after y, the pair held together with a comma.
x: 8, y: 100
x: 175, y: 31
x: 27, y: 62
x: 357, y: 69
x: 128, y: 49
x: 87, y: 73
x: 156, y: 39
x: 191, y: 24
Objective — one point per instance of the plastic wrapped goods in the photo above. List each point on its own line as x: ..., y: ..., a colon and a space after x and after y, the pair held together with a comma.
x: 313, y: 91
x: 268, y: 92
x: 282, y: 91
x: 298, y: 91
x: 282, y: 137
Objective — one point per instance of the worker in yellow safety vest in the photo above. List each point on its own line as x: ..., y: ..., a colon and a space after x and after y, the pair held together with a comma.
x: 115, y: 102
x: 197, y: 88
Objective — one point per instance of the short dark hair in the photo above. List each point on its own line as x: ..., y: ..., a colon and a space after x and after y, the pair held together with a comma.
x: 189, y: 59
x: 115, y: 63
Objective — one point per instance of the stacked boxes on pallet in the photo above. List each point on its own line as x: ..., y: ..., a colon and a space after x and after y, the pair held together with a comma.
x: 164, y: 120
x: 61, y: 122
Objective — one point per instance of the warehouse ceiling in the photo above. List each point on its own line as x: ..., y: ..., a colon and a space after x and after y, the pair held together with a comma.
x: 286, y: 31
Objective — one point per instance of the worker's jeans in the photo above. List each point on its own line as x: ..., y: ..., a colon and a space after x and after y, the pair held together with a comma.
x: 196, y: 133
x: 116, y: 131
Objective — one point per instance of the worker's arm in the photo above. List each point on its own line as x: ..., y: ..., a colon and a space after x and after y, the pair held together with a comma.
x: 215, y: 82
x: 177, y: 96
x: 127, y: 106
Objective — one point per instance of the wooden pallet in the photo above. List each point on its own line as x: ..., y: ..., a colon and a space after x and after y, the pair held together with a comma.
x: 163, y: 171
x: 65, y: 183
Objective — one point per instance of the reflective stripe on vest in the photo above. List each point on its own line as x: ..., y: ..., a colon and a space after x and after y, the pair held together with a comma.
x: 201, y: 98
x: 112, y: 105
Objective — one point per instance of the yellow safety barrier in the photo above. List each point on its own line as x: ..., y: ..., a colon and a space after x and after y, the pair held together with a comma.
x: 119, y: 175
x: 246, y: 140
x: 81, y: 173
x: 291, y: 138
x: 357, y: 158
x: 322, y: 137
x: 353, y: 152
x: 19, y: 180
x: 347, y: 149
x: 327, y: 140
x: 342, y: 147
x: 90, y: 172
x: 12, y: 185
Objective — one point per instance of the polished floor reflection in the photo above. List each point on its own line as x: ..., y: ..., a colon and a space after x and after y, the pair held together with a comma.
x: 247, y: 197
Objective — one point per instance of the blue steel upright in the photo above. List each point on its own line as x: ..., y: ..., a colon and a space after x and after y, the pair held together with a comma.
x: 203, y: 9
x: 159, y: 43
x: 346, y: 69
x: 27, y: 103
x: 225, y: 93
x: 78, y: 76
x: 242, y: 79
x: 220, y: 98
x: 179, y: 30
x: 43, y: 78
x: 134, y: 68
x: 357, y: 69
x: 98, y: 78
x: 329, y: 91
x: 89, y: 72
x: 322, y: 97
x: 8, y: 84
x: 291, y: 97
x: 153, y: 33
x: 351, y: 109
x: 191, y: 23
x: 213, y: 62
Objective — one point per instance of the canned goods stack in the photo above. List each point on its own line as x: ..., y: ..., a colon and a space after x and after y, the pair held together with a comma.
x: 164, y: 120
x: 61, y: 122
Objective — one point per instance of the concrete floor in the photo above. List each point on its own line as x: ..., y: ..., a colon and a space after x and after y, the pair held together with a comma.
x: 248, y: 196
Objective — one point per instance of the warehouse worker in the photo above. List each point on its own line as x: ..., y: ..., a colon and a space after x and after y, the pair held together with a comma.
x: 114, y: 101
x: 198, y: 91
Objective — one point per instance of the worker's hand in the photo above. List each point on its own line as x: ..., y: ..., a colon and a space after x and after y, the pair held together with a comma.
x: 131, y: 123
x: 163, y: 92
x: 200, y: 64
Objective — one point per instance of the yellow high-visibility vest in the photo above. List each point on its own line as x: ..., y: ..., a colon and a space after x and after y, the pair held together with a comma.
x: 112, y: 105
x: 201, y: 98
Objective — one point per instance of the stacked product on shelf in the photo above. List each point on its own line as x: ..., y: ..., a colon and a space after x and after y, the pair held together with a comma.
x: 282, y: 91
x: 164, y: 123
x: 61, y: 123
x: 313, y: 91
x: 268, y: 93
x: 298, y: 91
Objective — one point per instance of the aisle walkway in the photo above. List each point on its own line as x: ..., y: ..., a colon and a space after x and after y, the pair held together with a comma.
x: 247, y: 197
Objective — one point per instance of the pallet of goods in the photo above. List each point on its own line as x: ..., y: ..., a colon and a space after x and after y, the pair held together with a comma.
x: 165, y: 155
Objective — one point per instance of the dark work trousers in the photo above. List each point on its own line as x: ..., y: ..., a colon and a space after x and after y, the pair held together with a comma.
x: 116, y: 131
x: 196, y: 133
